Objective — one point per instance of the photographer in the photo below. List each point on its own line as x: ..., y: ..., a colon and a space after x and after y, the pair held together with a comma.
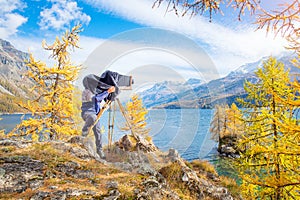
x: 90, y: 108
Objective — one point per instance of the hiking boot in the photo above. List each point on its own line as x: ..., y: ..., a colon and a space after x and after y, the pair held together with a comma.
x: 101, y: 154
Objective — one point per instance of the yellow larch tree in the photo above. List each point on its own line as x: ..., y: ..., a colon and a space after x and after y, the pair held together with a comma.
x: 226, y: 124
x: 218, y: 124
x: 53, y: 110
x: 235, y: 124
x: 137, y: 116
x: 268, y: 166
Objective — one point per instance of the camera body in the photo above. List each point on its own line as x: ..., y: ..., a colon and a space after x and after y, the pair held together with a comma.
x: 100, y: 84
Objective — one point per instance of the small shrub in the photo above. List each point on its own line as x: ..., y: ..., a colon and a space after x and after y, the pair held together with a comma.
x: 203, y: 165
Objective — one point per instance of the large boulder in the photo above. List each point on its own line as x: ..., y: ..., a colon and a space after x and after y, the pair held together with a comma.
x: 136, y: 143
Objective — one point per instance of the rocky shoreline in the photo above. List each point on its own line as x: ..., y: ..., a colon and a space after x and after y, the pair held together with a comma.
x: 72, y: 170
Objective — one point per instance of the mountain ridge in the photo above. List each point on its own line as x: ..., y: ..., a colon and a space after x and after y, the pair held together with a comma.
x: 205, y: 95
x: 14, y: 86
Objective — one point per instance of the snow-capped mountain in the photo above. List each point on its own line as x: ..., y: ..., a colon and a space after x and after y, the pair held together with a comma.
x: 252, y: 67
x: 167, y: 91
x: 248, y: 68
x: 194, y: 93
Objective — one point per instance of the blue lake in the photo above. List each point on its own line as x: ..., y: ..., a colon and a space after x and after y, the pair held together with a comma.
x: 186, y: 130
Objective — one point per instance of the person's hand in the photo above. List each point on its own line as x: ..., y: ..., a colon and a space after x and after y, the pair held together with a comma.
x: 111, y: 89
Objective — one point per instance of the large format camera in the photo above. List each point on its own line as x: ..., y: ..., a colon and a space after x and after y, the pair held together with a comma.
x: 100, y: 84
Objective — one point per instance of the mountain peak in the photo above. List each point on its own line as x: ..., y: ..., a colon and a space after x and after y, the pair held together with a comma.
x: 12, y: 82
x: 193, y: 81
x: 5, y: 43
x: 217, y: 91
x: 6, y: 46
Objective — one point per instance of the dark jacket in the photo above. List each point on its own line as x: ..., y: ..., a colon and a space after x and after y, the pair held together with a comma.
x: 97, y: 84
x: 94, y: 105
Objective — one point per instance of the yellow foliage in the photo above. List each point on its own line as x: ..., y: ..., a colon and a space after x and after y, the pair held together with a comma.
x: 137, y: 116
x: 269, y: 166
x: 218, y: 125
x: 54, y: 111
x: 235, y: 124
x: 226, y: 121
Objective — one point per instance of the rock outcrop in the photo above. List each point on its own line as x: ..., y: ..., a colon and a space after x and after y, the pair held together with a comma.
x: 73, y: 170
x: 136, y: 143
x: 228, y: 147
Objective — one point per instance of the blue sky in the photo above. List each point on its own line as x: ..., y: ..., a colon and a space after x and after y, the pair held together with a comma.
x: 227, y: 42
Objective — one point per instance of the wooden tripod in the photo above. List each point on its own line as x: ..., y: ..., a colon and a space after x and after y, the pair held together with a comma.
x: 111, y: 119
x: 141, y: 140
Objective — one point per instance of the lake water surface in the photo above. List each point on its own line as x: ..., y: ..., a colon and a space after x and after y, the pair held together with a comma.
x: 186, y: 130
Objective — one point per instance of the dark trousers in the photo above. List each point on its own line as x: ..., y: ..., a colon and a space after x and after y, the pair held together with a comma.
x: 90, y: 118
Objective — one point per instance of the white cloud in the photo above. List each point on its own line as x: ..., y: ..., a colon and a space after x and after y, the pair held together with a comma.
x: 9, y: 19
x: 226, y: 45
x: 34, y: 46
x: 61, y: 14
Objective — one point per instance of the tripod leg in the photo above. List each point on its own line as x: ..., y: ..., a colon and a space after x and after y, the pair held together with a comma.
x: 106, y: 105
x: 109, y: 132
x: 126, y: 118
x: 113, y: 122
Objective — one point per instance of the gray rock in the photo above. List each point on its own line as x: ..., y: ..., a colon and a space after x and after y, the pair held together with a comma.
x: 2, y: 173
x: 20, y: 173
x: 146, y: 169
x: 80, y: 153
x: 40, y: 195
x: 72, y: 169
x: 236, y: 156
x: 173, y: 154
x: 230, y: 150
x: 113, y: 195
x: 185, y: 178
x: 53, y: 187
x: 126, y: 144
x: 151, y: 182
x: 59, y: 195
x: 123, y: 166
x: 74, y: 192
x: 16, y: 143
x: 35, y: 184
x: 136, y: 191
x: 76, y: 140
x: 112, y: 185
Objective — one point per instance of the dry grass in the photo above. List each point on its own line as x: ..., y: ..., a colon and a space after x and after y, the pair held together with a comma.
x: 51, y: 156
x: 231, y: 185
x: 203, y: 166
x: 7, y: 149
x: 173, y: 174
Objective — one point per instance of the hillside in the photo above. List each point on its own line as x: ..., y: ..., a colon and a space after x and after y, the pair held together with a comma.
x: 14, y: 86
x: 206, y: 95
x: 72, y: 170
x: 164, y: 92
